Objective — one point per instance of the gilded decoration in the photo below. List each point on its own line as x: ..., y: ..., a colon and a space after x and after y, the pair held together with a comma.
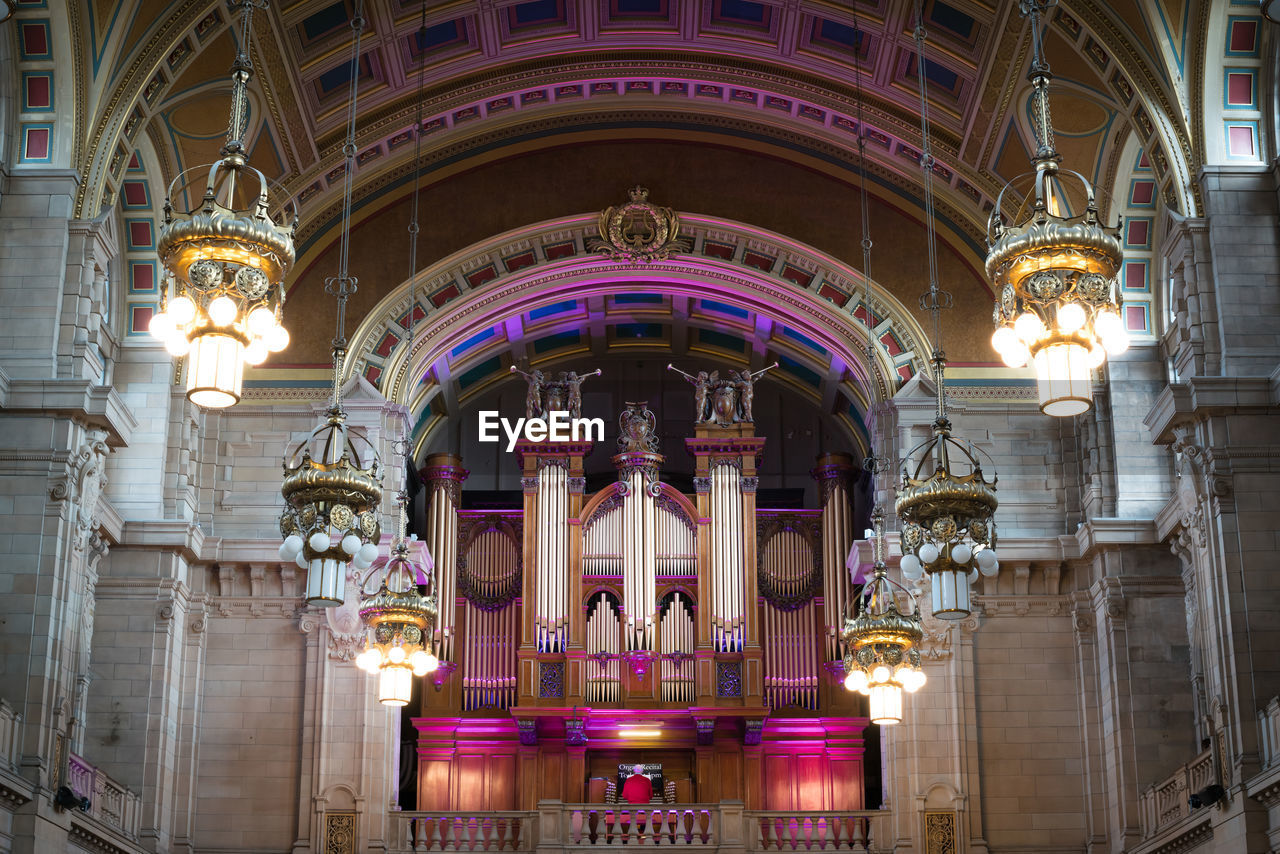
x: 940, y: 833
x: 638, y: 231
x: 339, y: 833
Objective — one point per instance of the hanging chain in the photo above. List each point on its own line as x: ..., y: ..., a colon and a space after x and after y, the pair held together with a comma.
x: 241, y: 72
x: 344, y: 284
x: 874, y: 462
x: 405, y: 443
x: 935, y: 299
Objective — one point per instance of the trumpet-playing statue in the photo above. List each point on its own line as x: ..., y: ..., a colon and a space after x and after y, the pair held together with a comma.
x: 563, y: 393
x: 723, y: 401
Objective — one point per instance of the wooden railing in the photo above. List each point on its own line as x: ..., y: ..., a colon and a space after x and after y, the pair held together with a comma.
x: 109, y: 801
x: 1166, y: 803
x: 707, y: 827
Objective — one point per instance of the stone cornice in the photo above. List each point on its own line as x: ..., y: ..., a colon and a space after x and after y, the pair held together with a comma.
x: 96, y: 405
x: 1201, y: 397
x: 1104, y: 534
x: 185, y: 538
x: 1265, y: 787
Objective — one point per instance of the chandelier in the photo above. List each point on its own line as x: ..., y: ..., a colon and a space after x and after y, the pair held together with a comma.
x: 331, y: 517
x: 1054, y: 270
x: 225, y: 262
x: 399, y: 623
x: 945, y: 503
x: 882, y: 658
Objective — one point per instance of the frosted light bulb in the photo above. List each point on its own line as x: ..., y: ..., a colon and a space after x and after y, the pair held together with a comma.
x: 973, y: 575
x: 986, y: 558
x: 1071, y: 317
x: 351, y: 544
x: 1028, y: 326
x: 1097, y: 355
x: 1116, y: 344
x: 880, y: 675
x: 418, y: 660
x: 261, y: 321
x: 1016, y: 356
x: 396, y: 654
x: 961, y: 553
x: 182, y: 310
x: 284, y: 552
x: 913, y: 681
x: 928, y: 553
x: 989, y: 571
x: 301, y: 560
x: 277, y: 339
x: 432, y: 663
x: 177, y: 344
x: 368, y: 553
x: 1004, y: 339
x: 161, y: 326
x: 911, y: 566
x: 364, y: 661
x: 256, y: 352
x: 293, y: 544
x: 222, y: 311
x: 1107, y: 323
x: 856, y: 680
x: 319, y: 541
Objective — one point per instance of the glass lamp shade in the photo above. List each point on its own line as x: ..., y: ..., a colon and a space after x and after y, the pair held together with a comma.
x: 395, y: 685
x: 326, y: 582
x: 886, y: 704
x: 215, y: 370
x: 1062, y: 373
x: 950, y: 594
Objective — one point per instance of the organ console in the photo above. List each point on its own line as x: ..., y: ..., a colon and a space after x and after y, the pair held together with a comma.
x: 690, y: 632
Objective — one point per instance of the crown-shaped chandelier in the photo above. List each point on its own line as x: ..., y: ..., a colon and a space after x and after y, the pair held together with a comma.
x: 225, y: 261
x: 1054, y: 270
x: 399, y: 620
x: 880, y: 641
x: 946, y: 504
x: 882, y: 659
x: 331, y: 517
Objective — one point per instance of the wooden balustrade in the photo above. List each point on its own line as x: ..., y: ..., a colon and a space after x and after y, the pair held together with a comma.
x: 708, y: 827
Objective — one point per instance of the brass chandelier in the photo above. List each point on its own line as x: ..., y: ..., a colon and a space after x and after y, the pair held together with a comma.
x: 946, y: 504
x: 331, y: 518
x: 880, y: 655
x: 399, y: 620
x: 1054, y: 271
x: 224, y: 262
x: 882, y: 659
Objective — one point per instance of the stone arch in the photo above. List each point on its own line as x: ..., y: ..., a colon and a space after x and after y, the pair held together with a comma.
x: 542, y: 263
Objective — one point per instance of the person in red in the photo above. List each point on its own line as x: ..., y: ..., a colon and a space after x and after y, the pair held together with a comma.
x: 637, y: 789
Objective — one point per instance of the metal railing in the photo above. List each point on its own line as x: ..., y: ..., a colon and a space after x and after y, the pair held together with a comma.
x: 707, y: 827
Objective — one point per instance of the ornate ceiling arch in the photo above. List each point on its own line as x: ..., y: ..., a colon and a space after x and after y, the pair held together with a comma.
x: 732, y: 265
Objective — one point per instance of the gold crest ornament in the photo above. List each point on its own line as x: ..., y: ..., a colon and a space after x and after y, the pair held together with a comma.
x: 638, y: 231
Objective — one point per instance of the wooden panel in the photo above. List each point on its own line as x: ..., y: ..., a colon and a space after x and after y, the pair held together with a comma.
x: 730, y: 776
x: 471, y: 782
x: 846, y: 784
x: 433, y: 784
x: 811, y: 783
x: 502, y: 782
x: 778, y: 782
x: 552, y: 783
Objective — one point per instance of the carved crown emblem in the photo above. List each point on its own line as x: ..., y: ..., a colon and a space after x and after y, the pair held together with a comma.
x: 638, y: 231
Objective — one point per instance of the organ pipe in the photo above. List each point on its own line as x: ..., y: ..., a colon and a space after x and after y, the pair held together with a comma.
x: 676, y: 647
x: 551, y: 559
x: 786, y: 561
x: 491, y: 575
x: 604, y: 680
x: 639, y: 563
x: 833, y: 473
x: 444, y: 474
x: 727, y: 560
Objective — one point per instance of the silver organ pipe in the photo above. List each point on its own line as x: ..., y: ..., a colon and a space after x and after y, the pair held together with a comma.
x: 837, y: 539
x: 442, y: 541
x: 604, y: 679
x: 551, y: 559
x: 492, y: 576
x: 727, y: 560
x: 791, y: 650
x: 677, y: 554
x: 639, y: 564
x: 676, y: 647
x: 602, y: 543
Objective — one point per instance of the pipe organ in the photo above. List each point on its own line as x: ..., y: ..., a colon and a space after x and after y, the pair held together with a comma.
x: 834, y: 473
x: 551, y: 561
x: 489, y: 576
x: 640, y: 617
x: 443, y: 475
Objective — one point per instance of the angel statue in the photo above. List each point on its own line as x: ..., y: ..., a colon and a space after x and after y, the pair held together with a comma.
x: 573, y: 381
x: 746, y: 391
x: 702, y: 384
x: 533, y: 398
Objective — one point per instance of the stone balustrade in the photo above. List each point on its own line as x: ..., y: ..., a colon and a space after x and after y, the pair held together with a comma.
x: 109, y: 801
x: 1166, y: 803
x: 709, y: 827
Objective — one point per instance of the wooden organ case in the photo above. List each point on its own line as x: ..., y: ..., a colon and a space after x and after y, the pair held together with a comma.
x: 697, y: 633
